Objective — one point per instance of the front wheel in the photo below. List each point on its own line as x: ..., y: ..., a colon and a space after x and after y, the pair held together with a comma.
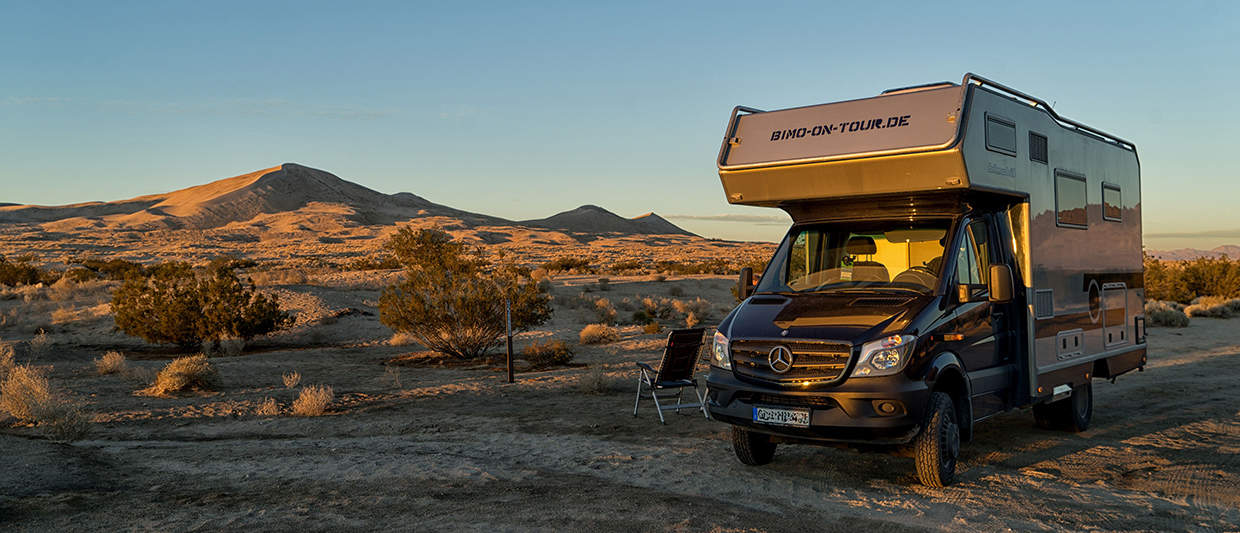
x: 938, y: 444
x: 754, y: 449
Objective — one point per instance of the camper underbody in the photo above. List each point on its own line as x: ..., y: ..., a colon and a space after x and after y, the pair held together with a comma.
x: 957, y: 251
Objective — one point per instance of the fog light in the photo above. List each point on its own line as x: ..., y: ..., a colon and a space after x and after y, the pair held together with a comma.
x: 888, y: 407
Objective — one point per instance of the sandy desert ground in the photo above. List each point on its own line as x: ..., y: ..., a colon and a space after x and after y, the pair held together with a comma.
x: 457, y: 449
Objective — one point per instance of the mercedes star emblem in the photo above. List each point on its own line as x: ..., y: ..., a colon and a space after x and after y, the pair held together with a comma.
x: 780, y: 359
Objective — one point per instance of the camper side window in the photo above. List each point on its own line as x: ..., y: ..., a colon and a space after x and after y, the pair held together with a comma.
x: 1112, y: 206
x: 1070, y: 200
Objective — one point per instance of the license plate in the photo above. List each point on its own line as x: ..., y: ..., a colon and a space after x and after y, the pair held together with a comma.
x: 781, y: 417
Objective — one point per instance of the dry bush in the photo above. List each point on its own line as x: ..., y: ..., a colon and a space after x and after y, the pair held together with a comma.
x: 8, y: 359
x: 110, y: 363
x: 279, y: 277
x: 25, y: 393
x: 599, y: 334
x: 698, y: 306
x: 291, y: 379
x: 692, y: 320
x: 184, y: 373
x: 627, y: 305
x: 651, y: 328
x: 539, y: 274
x: 402, y: 339
x: 604, y: 312
x: 1213, y: 307
x: 62, y: 315
x: 64, y: 421
x: 313, y: 400
x: 40, y: 344
x: 1165, y: 314
x: 548, y: 354
x: 269, y: 407
x: 596, y: 381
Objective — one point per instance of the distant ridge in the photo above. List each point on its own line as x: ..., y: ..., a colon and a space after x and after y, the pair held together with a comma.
x: 595, y: 219
x: 1230, y: 251
x: 292, y: 197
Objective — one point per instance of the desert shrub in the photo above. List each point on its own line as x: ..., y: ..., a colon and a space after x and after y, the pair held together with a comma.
x: 79, y: 275
x: 402, y: 339
x: 113, y: 269
x: 25, y: 393
x: 599, y: 334
x: 1213, y: 307
x: 185, y: 373
x: 8, y: 360
x: 596, y: 381
x: 17, y: 272
x: 288, y: 276
x: 268, y: 407
x: 603, y: 311
x: 539, y: 274
x: 452, y: 299
x: 711, y: 266
x: 564, y: 264
x: 698, y: 306
x: 548, y: 354
x: 40, y: 344
x: 626, y: 265
x: 1165, y: 314
x: 692, y: 320
x: 313, y: 400
x: 64, y: 421
x: 660, y: 278
x: 172, y: 305
x: 291, y: 379
x: 110, y: 363
x: 375, y: 262
x: 658, y: 307
x: 651, y: 328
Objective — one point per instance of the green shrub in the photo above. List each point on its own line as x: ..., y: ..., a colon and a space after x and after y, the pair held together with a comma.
x: 14, y: 273
x: 1213, y: 307
x: 452, y: 299
x: 548, y: 354
x: 173, y: 305
x: 113, y: 269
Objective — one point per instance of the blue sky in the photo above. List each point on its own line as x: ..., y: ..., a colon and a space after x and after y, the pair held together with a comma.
x: 521, y: 110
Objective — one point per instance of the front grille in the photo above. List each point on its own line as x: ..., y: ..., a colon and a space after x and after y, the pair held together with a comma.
x: 820, y: 402
x: 812, y: 361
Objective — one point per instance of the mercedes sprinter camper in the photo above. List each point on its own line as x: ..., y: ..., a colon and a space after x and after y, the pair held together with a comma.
x: 957, y: 251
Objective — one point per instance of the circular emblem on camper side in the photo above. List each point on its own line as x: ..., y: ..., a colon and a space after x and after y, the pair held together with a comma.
x: 779, y: 359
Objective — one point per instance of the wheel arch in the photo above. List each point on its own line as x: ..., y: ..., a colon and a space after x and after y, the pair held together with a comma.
x: 947, y: 374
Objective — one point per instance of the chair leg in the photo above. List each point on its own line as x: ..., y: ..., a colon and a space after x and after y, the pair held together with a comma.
x: 702, y: 400
x: 657, y: 407
x: 638, y: 401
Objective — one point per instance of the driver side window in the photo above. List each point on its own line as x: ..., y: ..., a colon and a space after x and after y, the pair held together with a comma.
x: 966, y: 262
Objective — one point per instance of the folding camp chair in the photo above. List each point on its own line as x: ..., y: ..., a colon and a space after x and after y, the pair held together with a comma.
x: 675, y: 372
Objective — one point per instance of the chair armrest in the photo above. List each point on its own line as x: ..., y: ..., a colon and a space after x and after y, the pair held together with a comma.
x: 645, y: 366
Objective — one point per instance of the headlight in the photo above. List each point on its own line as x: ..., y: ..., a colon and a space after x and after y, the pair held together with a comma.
x: 885, y: 356
x: 719, y: 352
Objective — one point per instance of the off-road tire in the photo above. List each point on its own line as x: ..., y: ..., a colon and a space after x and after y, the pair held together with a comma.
x: 752, y: 448
x: 1073, y: 413
x: 938, y: 444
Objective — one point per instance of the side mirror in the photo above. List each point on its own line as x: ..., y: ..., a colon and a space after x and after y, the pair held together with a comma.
x: 1000, y: 283
x: 745, y: 285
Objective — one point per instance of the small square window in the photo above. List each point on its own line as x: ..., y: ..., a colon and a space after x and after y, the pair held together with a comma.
x: 1037, y: 147
x: 1112, y: 203
x: 1000, y: 134
x: 1070, y: 190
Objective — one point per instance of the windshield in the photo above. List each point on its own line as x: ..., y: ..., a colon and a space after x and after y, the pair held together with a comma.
x: 885, y: 254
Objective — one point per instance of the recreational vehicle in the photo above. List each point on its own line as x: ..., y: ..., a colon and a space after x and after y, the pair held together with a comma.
x: 956, y: 251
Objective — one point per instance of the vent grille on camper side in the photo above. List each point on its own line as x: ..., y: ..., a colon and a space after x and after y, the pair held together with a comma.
x: 812, y: 361
x: 1037, y: 147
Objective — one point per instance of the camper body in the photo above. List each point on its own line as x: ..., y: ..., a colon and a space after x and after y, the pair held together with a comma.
x: 957, y: 251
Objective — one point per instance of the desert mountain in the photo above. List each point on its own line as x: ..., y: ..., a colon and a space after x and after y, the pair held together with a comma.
x: 1229, y: 250
x: 594, y: 219
x: 292, y: 198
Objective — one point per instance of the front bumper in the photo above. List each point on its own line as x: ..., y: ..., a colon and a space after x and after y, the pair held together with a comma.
x: 847, y: 412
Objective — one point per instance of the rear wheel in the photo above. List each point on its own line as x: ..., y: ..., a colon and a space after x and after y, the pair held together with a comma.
x: 752, y: 448
x: 1073, y: 413
x: 938, y: 444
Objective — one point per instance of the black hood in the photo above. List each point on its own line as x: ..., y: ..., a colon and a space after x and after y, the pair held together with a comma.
x: 855, y: 317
